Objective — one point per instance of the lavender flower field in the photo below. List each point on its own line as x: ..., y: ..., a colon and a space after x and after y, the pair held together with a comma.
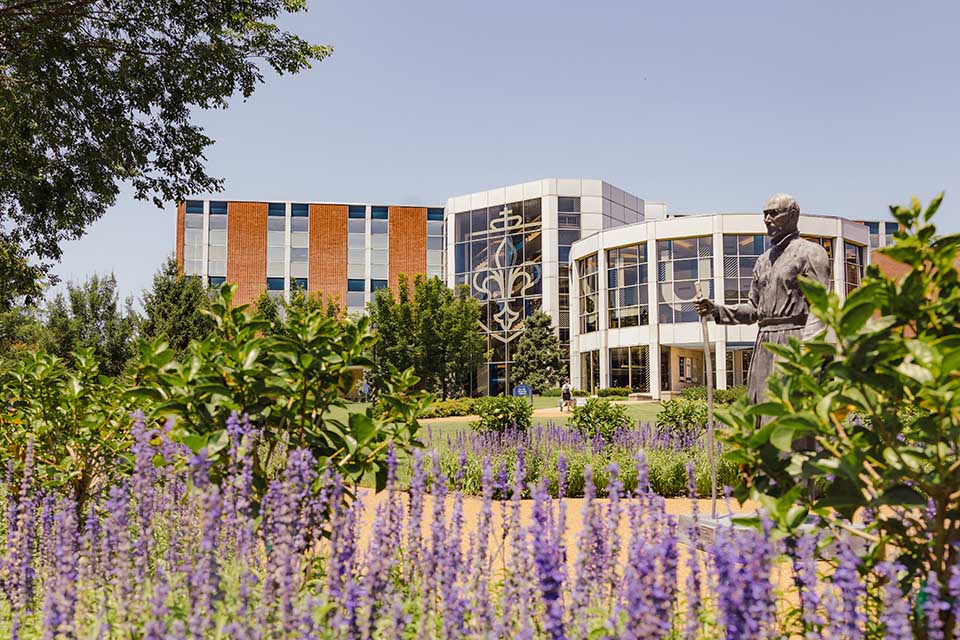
x: 170, y: 554
x: 667, y: 454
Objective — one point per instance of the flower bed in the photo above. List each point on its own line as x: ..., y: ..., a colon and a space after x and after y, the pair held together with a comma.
x: 171, y: 554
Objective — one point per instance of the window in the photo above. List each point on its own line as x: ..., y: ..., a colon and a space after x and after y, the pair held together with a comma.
x: 276, y: 239
x: 890, y: 228
x: 827, y: 244
x: 874, y: 229
x: 681, y: 263
x: 274, y: 284
x: 590, y: 370
x: 193, y: 238
x: 435, y: 213
x: 356, y: 211
x: 435, y: 244
x: 355, y: 285
x: 740, y: 253
x: 853, y: 265
x: 587, y: 268
x: 627, y: 292
x: 215, y: 281
x: 379, y: 213
x: 299, y: 283
x: 356, y: 244
x: 217, y: 240
x: 629, y: 367
x: 568, y: 205
x: 299, y: 242
x: 738, y: 366
x: 376, y: 285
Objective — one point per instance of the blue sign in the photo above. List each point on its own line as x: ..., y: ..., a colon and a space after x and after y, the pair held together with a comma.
x: 523, y: 391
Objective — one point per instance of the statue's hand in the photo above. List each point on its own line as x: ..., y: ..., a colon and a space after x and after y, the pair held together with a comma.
x: 704, y: 306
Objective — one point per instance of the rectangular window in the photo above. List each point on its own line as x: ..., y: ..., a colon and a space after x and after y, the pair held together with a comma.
x: 355, y: 285
x: 853, y: 262
x: 299, y: 284
x: 629, y: 367
x: 356, y: 211
x: 890, y: 228
x: 218, y: 208
x: 827, y: 244
x: 193, y: 206
x: 376, y: 285
x: 740, y: 253
x: 568, y: 205
x: 627, y: 292
x: 590, y: 370
x: 274, y: 284
x: 217, y: 241
x: 587, y: 269
x: 435, y: 214
x: 300, y: 210
x: 379, y: 213
x: 680, y: 264
x: 216, y: 281
x: 277, y: 209
x: 193, y: 238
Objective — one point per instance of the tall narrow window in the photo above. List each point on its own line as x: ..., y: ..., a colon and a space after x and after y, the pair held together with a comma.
x: 193, y: 238
x: 740, y: 253
x: 217, y: 240
x: 680, y: 264
x: 587, y: 268
x: 379, y: 243
x: 299, y: 243
x: 627, y: 293
x: 276, y: 239
x: 357, y: 247
x: 435, y: 244
x: 853, y: 263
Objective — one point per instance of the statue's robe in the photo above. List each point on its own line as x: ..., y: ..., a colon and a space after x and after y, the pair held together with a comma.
x: 777, y: 304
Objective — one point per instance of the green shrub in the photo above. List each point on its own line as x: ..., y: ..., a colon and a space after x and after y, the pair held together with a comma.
x: 680, y: 414
x: 599, y: 417
x: 614, y: 391
x: 720, y: 396
x: 551, y: 393
x: 447, y: 408
x: 499, y: 413
x: 580, y: 393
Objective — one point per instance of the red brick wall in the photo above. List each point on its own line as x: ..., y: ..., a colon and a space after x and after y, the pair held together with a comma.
x: 181, y: 219
x: 328, y: 251
x: 247, y: 249
x: 408, y: 243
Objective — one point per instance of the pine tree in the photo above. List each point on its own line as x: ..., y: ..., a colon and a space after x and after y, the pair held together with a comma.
x: 173, y: 308
x: 539, y: 360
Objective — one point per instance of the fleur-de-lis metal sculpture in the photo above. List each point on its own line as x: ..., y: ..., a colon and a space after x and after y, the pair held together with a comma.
x: 504, y: 277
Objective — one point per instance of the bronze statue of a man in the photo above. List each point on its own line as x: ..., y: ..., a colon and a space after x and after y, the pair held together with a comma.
x: 776, y: 302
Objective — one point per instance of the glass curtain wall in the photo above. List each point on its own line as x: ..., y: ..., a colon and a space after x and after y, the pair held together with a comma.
x: 738, y: 366
x: 827, y: 244
x: 568, y: 232
x: 590, y: 370
x: 498, y: 254
x: 379, y: 243
x: 629, y: 367
x: 627, y: 294
x: 681, y: 263
x: 193, y: 238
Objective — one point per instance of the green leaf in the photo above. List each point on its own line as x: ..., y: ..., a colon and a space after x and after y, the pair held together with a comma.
x: 362, y: 427
x: 149, y: 394
x: 854, y: 317
x: 915, y: 371
x: 815, y: 293
x: 901, y: 495
x: 782, y: 436
x: 194, y: 441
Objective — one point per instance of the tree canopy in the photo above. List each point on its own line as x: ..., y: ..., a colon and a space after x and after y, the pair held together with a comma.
x: 539, y: 360
x: 173, y: 308
x: 95, y: 93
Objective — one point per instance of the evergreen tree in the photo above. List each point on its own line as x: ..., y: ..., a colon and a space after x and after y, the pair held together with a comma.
x: 274, y: 310
x: 20, y: 330
x: 90, y: 316
x: 173, y: 308
x: 539, y: 360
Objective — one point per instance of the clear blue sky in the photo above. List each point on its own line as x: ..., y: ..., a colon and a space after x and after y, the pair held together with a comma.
x: 709, y: 106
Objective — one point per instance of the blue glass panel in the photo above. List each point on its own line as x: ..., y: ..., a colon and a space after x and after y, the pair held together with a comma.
x: 216, y: 281
x: 218, y: 208
x: 376, y: 285
x: 194, y: 206
x: 434, y: 213
x: 460, y: 257
x: 356, y: 211
x: 379, y: 213
x: 274, y: 284
x: 568, y: 205
x: 276, y: 209
x: 356, y: 285
x: 300, y: 210
x: 564, y: 254
x: 300, y: 283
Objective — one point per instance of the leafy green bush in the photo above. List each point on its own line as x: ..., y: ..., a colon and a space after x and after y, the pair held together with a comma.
x: 720, y: 396
x: 287, y: 382
x: 893, y: 343
x: 499, y: 413
x: 74, y: 415
x: 682, y: 415
x: 447, y: 408
x: 614, y: 392
x: 551, y: 393
x: 580, y: 393
x: 599, y: 417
